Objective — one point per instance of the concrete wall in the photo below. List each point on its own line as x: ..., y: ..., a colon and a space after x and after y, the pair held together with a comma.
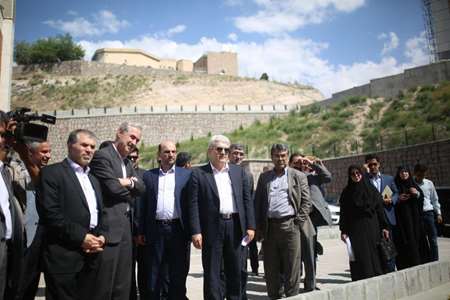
x: 176, y: 123
x: 185, y: 65
x: 390, y: 86
x: 170, y: 64
x: 397, y: 285
x: 131, y: 59
x: 440, y: 10
x: 224, y: 63
x: 435, y: 155
x: 7, y: 31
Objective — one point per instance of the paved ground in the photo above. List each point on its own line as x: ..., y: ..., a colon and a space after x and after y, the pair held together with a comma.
x: 332, y: 270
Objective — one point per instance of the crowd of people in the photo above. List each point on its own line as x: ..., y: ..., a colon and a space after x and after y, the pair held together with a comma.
x: 87, y: 221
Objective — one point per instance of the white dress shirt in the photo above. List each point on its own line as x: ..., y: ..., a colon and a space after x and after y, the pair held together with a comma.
x: 376, y: 181
x: 88, y: 190
x: 430, y: 196
x: 165, y: 207
x: 223, y: 183
x: 4, y: 203
x: 122, y: 164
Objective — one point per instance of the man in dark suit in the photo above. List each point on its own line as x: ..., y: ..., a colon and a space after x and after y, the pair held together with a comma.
x: 162, y: 224
x: 236, y: 157
x: 380, y: 182
x: 221, y: 215
x: 139, y: 283
x: 120, y: 185
x: 69, y: 203
x: 282, y: 208
x: 11, y: 223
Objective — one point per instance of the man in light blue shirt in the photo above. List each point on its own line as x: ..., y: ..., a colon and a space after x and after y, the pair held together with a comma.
x: 431, y: 208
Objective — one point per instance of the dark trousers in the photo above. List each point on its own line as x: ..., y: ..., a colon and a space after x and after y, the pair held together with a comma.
x: 32, y: 267
x: 308, y: 259
x: 3, y: 267
x: 167, y: 253
x: 227, y: 247
x: 282, y: 256
x: 431, y: 233
x: 253, y: 253
x: 114, y: 275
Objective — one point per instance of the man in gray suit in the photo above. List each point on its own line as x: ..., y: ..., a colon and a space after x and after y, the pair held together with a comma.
x: 317, y: 175
x: 282, y: 206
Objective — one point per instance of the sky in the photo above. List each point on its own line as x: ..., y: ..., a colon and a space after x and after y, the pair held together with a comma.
x: 330, y: 44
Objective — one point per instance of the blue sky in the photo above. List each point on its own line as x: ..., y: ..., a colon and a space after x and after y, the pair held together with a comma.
x: 330, y: 44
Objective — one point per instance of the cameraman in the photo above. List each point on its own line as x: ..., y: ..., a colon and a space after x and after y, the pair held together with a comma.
x: 11, y: 222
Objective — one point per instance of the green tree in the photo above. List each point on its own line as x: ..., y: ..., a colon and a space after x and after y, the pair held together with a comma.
x: 264, y: 76
x: 48, y: 50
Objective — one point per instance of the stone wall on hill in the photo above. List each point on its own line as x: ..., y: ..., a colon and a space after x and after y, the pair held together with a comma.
x: 177, y: 123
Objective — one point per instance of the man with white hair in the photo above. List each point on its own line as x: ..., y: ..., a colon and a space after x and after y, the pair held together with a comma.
x: 221, y: 219
x: 120, y: 186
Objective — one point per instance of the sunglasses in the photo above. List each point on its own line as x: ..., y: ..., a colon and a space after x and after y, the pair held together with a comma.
x: 133, y: 158
x: 221, y: 149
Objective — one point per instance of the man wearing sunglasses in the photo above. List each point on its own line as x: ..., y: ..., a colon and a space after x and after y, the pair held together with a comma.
x: 221, y: 219
x: 383, y: 183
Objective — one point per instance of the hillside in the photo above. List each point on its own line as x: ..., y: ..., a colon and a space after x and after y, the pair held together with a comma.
x: 352, y: 126
x: 45, y: 91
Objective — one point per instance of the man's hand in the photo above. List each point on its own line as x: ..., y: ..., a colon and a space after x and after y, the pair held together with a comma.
x: 387, y: 200
x: 140, y: 240
x: 93, y: 244
x: 197, y: 241
x: 385, y: 233
x: 439, y: 219
x: 413, y: 191
x: 251, y: 235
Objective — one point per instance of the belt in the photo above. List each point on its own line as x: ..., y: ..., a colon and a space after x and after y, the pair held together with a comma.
x: 228, y: 216
x: 280, y: 220
x: 168, y: 221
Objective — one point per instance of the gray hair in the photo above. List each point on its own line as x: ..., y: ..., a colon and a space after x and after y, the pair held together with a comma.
x: 279, y: 148
x: 237, y: 147
x: 34, y: 145
x: 215, y: 139
x: 73, y: 136
x: 125, y: 126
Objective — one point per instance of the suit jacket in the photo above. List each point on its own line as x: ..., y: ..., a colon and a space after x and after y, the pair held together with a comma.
x: 320, y: 215
x: 298, y: 196
x: 107, y: 167
x: 64, y: 211
x: 17, y: 238
x: 389, y: 210
x: 204, y: 204
x: 149, y: 200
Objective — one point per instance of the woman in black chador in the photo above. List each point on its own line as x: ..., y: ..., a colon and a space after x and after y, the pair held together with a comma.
x: 363, y: 222
x: 411, y: 243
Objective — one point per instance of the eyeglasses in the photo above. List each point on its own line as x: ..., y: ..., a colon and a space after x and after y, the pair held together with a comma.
x: 221, y: 149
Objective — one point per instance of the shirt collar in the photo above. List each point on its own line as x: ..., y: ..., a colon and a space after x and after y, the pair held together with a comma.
x: 117, y: 151
x: 77, y: 168
x: 171, y: 170
x: 377, y: 176
x: 2, y: 165
x: 215, y: 171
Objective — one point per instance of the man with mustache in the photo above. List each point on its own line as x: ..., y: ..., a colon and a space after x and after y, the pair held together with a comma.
x: 120, y: 186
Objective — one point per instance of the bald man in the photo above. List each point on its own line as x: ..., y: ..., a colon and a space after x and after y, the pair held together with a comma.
x: 161, y: 224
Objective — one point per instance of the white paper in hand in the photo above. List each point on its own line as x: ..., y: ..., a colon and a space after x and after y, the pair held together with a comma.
x: 351, y: 255
x: 245, y: 240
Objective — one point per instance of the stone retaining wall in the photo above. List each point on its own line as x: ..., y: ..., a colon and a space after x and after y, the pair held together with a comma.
x: 396, y: 285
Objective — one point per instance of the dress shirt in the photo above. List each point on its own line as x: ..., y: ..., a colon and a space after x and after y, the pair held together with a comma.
x: 376, y: 181
x: 279, y: 204
x: 88, y: 190
x: 4, y: 203
x: 430, y: 196
x: 165, y: 207
x: 223, y: 183
x: 122, y: 164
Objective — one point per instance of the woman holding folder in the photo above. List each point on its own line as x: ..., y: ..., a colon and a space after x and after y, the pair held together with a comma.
x: 362, y: 224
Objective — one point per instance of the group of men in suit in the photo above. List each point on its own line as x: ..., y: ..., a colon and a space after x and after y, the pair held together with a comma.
x: 87, y: 203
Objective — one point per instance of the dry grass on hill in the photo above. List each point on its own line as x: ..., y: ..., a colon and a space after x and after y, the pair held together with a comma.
x: 42, y: 91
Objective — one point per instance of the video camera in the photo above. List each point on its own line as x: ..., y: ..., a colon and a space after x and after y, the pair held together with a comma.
x: 25, y: 130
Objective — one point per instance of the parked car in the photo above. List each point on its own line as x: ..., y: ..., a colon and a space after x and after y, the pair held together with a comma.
x: 335, y: 212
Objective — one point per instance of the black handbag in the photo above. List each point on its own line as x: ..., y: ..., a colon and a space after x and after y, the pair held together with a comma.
x: 387, y: 249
